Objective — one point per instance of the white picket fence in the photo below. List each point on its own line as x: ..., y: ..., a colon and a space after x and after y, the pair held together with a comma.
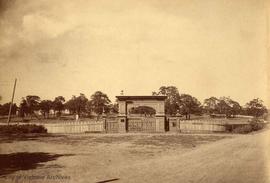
x: 191, y: 126
x: 111, y: 125
x: 100, y: 126
x: 197, y: 125
x: 75, y: 127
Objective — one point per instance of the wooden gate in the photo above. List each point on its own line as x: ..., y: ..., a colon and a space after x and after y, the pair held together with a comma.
x: 141, y: 124
x: 111, y: 125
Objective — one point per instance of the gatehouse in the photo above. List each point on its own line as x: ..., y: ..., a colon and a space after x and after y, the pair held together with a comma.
x: 129, y: 123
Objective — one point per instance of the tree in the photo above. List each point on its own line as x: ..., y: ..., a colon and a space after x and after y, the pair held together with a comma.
x: 70, y: 105
x: 189, y: 105
x: 210, y: 105
x: 154, y: 93
x: 223, y: 105
x: 235, y: 108
x: 24, y: 110
x: 88, y: 107
x: 4, y: 109
x: 114, y: 108
x: 256, y: 108
x: 77, y: 104
x: 58, y: 104
x: 32, y: 102
x: 100, y: 102
x: 45, y: 107
x: 228, y: 107
x: 172, y: 101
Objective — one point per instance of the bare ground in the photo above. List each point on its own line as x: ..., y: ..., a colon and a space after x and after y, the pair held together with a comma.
x: 135, y: 158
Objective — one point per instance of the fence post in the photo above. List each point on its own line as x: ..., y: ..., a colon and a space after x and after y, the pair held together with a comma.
x: 105, y: 125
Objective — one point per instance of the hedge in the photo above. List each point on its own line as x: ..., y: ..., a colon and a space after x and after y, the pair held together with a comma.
x: 19, y: 129
x: 254, y: 125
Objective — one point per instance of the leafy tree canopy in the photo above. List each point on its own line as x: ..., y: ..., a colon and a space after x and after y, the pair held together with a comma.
x: 45, y: 107
x: 4, y: 109
x: 256, y: 108
x: 173, y: 98
x: 58, y: 104
x: 32, y: 102
x: 100, y: 102
x: 189, y: 105
x: 223, y: 105
x: 77, y: 104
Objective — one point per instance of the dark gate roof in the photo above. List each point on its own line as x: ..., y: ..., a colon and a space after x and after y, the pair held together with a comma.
x: 143, y: 97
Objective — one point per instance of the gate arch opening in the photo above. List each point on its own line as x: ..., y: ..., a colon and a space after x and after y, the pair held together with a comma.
x: 142, y: 111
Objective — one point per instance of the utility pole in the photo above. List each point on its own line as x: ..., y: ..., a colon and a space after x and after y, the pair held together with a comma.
x: 10, y: 107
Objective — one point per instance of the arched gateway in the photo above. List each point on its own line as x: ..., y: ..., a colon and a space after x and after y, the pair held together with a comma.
x: 127, y: 123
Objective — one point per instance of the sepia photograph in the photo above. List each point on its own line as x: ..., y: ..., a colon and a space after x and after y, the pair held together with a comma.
x: 131, y: 91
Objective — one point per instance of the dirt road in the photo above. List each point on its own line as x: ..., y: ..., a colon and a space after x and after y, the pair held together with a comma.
x: 244, y: 159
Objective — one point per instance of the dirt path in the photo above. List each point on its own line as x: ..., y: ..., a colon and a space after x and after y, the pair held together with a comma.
x: 241, y: 159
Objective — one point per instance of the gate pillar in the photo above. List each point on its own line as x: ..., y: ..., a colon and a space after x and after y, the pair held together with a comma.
x: 122, y: 117
x: 160, y: 116
x: 122, y: 124
x: 160, y: 123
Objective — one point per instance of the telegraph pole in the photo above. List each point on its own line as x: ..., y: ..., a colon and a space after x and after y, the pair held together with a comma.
x: 10, y: 107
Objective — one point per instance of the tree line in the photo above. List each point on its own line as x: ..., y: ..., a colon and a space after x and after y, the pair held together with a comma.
x: 99, y: 103
x: 185, y: 104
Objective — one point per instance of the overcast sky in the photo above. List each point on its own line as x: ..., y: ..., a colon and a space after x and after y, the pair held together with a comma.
x: 204, y: 48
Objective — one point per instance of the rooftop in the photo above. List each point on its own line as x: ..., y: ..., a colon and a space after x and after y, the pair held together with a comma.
x: 142, y: 97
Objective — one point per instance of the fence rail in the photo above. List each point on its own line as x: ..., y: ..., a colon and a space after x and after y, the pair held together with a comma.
x: 111, y: 125
x: 190, y: 126
x: 75, y: 127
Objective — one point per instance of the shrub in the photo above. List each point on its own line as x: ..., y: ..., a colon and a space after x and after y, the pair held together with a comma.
x: 243, y: 129
x: 18, y: 129
x: 256, y: 124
